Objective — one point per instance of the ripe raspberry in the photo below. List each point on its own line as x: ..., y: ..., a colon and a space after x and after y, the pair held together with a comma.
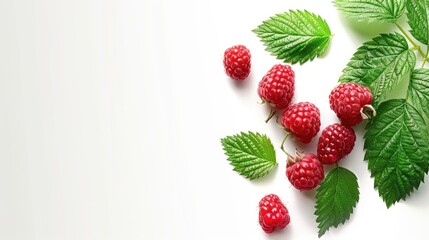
x: 304, y: 172
x: 335, y: 142
x: 272, y: 213
x: 277, y: 86
x: 302, y: 120
x: 351, y: 101
x: 237, y: 62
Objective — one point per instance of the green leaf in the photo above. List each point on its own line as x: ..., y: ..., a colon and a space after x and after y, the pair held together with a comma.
x: 251, y: 154
x: 418, y: 90
x: 397, y: 152
x: 380, y: 64
x: 372, y: 10
x: 336, y: 197
x: 417, y: 13
x: 295, y: 36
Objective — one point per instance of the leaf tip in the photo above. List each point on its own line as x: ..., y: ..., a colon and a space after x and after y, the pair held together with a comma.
x: 321, y: 232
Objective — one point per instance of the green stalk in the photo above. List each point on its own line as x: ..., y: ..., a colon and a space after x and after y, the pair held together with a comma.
x: 283, y: 143
x: 426, y: 58
x: 415, y: 46
x: 272, y: 113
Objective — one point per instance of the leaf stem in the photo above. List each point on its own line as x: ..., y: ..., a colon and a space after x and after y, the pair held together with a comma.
x: 417, y: 47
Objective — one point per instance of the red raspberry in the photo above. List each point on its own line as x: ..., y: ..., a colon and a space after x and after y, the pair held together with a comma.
x: 277, y: 86
x: 335, y: 142
x: 237, y: 62
x: 350, y: 101
x: 302, y: 120
x: 304, y: 172
x: 272, y: 213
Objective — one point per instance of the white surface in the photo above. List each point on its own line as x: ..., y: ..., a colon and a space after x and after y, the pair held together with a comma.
x: 112, y: 114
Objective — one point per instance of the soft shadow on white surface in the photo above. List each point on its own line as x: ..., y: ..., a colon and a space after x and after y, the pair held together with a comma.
x: 367, y: 30
x: 285, y: 233
x: 243, y: 85
x: 265, y: 181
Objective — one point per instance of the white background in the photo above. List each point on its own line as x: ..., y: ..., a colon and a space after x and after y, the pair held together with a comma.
x: 112, y: 113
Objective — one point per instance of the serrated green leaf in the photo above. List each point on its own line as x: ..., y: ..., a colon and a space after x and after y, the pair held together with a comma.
x: 336, y: 197
x: 380, y: 64
x: 295, y: 36
x: 417, y: 13
x: 397, y: 152
x: 251, y: 154
x: 418, y: 90
x: 372, y: 10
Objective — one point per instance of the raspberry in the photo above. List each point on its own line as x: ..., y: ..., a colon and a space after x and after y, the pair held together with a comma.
x: 350, y: 101
x: 304, y: 172
x: 277, y: 86
x: 272, y: 213
x: 302, y: 120
x: 335, y: 142
x: 237, y: 62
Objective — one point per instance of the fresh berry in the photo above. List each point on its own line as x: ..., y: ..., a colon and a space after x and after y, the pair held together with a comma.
x: 304, y: 172
x: 335, y: 142
x: 302, y: 120
x: 277, y: 86
x: 351, y: 101
x: 237, y: 62
x: 272, y: 213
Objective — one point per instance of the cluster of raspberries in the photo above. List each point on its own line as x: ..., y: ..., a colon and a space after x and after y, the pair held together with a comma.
x: 351, y: 103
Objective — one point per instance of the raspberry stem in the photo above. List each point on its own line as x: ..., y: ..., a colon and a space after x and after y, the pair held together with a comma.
x: 283, y: 142
x: 272, y: 113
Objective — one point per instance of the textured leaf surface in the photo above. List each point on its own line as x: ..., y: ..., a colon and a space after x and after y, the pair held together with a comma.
x: 295, y: 36
x: 397, y: 152
x: 251, y: 154
x: 418, y: 90
x: 372, y: 10
x: 417, y: 13
x: 380, y: 64
x: 336, y: 197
